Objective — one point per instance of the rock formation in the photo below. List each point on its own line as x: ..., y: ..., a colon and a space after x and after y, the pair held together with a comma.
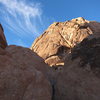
x: 75, y: 44
x: 19, y: 77
x: 3, y: 42
x: 58, y: 40
x: 80, y: 78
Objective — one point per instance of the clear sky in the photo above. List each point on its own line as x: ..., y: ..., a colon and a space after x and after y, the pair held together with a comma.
x: 24, y: 20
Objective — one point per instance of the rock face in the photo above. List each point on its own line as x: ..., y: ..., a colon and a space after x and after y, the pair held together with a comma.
x: 80, y: 78
x: 25, y: 76
x: 3, y: 42
x: 27, y: 57
x: 19, y: 77
x: 58, y: 40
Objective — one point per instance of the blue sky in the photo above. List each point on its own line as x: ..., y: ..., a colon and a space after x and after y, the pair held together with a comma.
x: 24, y: 20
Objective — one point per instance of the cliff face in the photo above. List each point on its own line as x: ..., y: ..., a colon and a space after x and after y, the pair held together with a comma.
x: 3, y: 42
x: 58, y: 40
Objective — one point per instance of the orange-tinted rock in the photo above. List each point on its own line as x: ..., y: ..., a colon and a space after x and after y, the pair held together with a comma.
x: 19, y: 78
x: 3, y: 42
x: 80, y: 77
x: 58, y: 40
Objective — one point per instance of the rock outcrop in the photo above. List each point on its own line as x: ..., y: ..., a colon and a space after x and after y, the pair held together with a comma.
x: 3, y: 42
x: 58, y: 40
x: 80, y: 77
x: 74, y: 44
x: 20, y: 78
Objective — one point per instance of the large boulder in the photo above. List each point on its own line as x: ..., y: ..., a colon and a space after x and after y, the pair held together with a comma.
x: 20, y: 78
x: 80, y: 76
x: 58, y: 40
x: 3, y: 42
x: 28, y: 57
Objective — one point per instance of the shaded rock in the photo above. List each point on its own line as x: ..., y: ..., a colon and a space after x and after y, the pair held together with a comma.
x: 3, y: 42
x: 58, y: 40
x: 26, y: 56
x: 80, y: 77
x: 89, y: 51
x: 19, y: 78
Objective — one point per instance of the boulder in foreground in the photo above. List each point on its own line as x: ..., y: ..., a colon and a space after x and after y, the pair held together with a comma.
x: 19, y: 78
